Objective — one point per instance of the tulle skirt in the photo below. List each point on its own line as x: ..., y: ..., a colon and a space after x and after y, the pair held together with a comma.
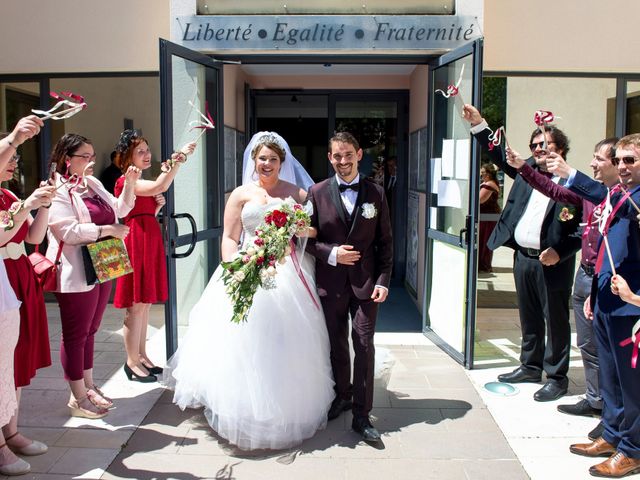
x: 266, y: 383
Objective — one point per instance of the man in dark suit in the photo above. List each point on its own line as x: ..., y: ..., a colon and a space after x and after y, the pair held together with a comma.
x: 354, y: 253
x: 543, y: 234
x: 614, y: 320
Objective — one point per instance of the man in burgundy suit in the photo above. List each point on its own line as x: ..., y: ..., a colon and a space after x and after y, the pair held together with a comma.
x: 354, y: 252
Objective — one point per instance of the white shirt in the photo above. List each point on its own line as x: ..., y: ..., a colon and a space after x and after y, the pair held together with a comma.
x: 349, y: 198
x: 529, y: 227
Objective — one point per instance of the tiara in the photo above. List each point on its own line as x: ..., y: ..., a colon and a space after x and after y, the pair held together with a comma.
x: 269, y: 137
x: 125, y: 139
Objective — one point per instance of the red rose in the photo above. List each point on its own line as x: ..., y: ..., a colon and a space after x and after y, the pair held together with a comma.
x: 259, y: 260
x: 279, y: 218
x: 297, y: 206
x: 268, y: 218
x: 259, y: 242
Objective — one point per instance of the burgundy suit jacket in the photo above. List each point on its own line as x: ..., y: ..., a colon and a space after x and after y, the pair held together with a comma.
x: 370, y: 236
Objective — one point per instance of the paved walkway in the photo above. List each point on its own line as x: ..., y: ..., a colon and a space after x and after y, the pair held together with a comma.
x: 437, y: 423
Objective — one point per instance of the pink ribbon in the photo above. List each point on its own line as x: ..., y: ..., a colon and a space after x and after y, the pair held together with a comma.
x: 635, y: 339
x: 296, y: 264
x: 542, y: 117
x: 208, y: 123
x: 496, y: 138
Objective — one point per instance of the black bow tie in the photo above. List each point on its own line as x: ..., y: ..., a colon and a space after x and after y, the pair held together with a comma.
x: 355, y: 187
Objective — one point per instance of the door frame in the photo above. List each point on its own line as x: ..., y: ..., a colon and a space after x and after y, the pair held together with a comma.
x: 465, y: 358
x: 215, y: 191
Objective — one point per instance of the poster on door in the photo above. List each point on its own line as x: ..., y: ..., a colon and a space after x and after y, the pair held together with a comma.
x: 411, y: 264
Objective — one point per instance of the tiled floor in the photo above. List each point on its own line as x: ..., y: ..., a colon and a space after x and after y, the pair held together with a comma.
x: 437, y: 422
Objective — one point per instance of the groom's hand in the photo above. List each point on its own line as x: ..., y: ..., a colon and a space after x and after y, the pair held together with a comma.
x: 379, y: 294
x: 346, y: 255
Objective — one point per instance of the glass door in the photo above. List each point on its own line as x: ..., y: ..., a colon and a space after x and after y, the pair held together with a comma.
x: 189, y: 83
x: 453, y: 166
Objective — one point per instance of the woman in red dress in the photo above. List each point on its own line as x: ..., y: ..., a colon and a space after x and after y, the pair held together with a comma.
x: 32, y: 350
x: 489, y: 192
x: 148, y: 282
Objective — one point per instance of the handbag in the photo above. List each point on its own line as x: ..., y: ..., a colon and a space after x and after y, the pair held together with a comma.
x: 46, y: 270
x: 105, y: 260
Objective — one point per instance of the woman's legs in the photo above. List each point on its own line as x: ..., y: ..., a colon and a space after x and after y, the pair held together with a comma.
x: 134, y: 320
x: 19, y: 440
x: 143, y: 336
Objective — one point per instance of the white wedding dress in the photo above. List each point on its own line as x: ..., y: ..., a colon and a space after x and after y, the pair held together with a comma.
x: 266, y: 383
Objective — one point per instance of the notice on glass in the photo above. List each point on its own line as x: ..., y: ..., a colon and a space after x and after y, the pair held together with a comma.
x: 449, y: 194
x: 448, y: 157
x: 436, y: 173
x: 463, y: 148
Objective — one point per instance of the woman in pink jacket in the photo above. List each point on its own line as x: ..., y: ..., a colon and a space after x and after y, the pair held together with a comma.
x: 82, y: 212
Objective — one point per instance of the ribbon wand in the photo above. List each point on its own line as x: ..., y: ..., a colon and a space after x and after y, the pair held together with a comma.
x: 205, y: 124
x: 454, y: 91
x: 541, y: 118
x: 607, y: 210
x: 74, y: 101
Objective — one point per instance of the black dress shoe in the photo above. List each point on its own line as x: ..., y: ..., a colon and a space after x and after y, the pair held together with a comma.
x: 552, y: 390
x: 154, y: 370
x: 596, y: 432
x: 338, y: 406
x: 362, y: 426
x: 582, y: 408
x: 521, y: 374
x: 133, y: 376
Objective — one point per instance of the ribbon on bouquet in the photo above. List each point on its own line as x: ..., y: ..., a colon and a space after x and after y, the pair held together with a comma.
x: 541, y: 119
x: 296, y: 264
x: 74, y: 101
x: 635, y: 340
x: 453, y: 90
x: 206, y: 122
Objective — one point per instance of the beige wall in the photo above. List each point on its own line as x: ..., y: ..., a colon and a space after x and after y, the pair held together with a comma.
x: 233, y: 82
x: 81, y: 36
x: 585, y: 121
x: 111, y: 100
x: 418, y: 98
x: 561, y: 36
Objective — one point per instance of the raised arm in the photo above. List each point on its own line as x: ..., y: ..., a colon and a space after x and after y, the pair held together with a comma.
x: 150, y: 188
x: 26, y: 128
x: 481, y: 131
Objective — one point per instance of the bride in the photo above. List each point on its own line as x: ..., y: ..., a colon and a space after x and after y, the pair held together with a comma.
x: 266, y: 383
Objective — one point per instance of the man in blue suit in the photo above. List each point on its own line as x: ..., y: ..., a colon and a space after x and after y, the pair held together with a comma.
x: 614, y: 319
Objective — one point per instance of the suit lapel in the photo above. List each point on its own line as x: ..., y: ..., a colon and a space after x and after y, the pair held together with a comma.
x: 334, y: 193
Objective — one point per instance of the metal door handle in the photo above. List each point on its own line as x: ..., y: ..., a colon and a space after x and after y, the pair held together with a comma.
x: 461, y: 242
x: 194, y: 234
x: 462, y: 237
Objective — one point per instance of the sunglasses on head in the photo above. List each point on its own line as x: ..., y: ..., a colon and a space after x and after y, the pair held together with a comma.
x: 532, y: 146
x: 629, y: 160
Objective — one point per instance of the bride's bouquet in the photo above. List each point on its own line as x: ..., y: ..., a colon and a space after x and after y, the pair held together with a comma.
x: 255, y: 265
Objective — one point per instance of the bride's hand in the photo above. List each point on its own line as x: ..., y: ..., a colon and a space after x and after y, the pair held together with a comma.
x: 309, y: 232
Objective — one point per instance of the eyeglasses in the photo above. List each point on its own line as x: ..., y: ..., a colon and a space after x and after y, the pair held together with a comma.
x: 626, y: 160
x: 540, y: 145
x: 15, y: 158
x: 86, y: 156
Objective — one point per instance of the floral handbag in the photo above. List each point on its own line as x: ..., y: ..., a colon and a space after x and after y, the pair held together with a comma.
x: 105, y: 260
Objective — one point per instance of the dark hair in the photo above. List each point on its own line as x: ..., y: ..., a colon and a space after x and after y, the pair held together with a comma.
x: 344, y: 137
x: 129, y: 140
x: 491, y: 169
x: 557, y: 136
x: 610, y: 143
x: 65, y: 147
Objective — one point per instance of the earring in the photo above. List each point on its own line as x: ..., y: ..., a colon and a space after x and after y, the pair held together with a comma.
x: 68, y: 164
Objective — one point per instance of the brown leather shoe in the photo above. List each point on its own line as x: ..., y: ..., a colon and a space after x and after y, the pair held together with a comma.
x: 617, y: 465
x: 598, y: 448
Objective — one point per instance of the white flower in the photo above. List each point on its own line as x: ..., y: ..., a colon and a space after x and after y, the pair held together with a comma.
x: 271, y: 271
x: 282, y: 261
x: 251, y: 250
x: 238, y: 276
x: 369, y: 210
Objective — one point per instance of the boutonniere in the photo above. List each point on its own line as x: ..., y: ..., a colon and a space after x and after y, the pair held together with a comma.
x: 369, y: 210
x: 566, y: 214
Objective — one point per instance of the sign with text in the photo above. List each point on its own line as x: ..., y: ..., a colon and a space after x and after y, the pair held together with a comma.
x: 326, y: 32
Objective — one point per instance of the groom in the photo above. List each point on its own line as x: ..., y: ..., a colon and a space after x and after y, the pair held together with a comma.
x: 354, y: 251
